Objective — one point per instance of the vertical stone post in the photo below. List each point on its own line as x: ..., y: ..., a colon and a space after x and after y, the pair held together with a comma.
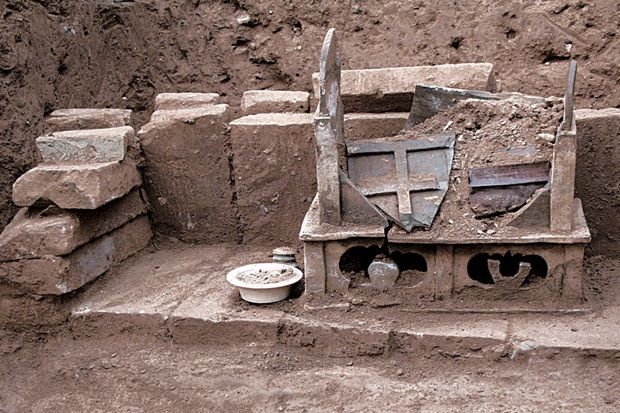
x: 329, y: 133
x: 564, y: 162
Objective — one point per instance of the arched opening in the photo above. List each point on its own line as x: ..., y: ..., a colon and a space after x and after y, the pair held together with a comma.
x: 412, y: 266
x: 478, y: 267
x: 355, y: 261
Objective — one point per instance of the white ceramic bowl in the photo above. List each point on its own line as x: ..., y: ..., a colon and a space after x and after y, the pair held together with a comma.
x: 263, y: 293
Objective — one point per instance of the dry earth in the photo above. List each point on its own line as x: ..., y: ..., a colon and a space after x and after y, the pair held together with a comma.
x: 136, y: 373
x: 121, y: 53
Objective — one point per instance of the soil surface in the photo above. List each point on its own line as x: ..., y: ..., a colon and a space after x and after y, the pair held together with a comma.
x: 134, y: 373
x: 73, y: 53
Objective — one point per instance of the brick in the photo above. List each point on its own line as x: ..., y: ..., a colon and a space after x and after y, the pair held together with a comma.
x: 87, y: 186
x: 57, y: 275
x: 391, y: 89
x: 187, y: 173
x: 72, y: 119
x: 86, y: 146
x: 267, y: 101
x: 34, y: 233
x: 171, y: 101
x: 274, y: 173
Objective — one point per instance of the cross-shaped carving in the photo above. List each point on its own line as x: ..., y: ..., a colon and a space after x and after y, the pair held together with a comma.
x: 404, y: 182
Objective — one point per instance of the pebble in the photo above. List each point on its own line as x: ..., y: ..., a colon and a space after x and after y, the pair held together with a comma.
x: 243, y: 19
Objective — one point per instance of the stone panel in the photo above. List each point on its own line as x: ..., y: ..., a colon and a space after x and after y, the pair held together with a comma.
x: 84, y: 146
x: 597, y: 172
x: 86, y: 186
x: 72, y: 119
x: 187, y: 173
x: 57, y: 275
x: 274, y: 173
x: 170, y: 101
x: 266, y: 101
x: 391, y: 89
x: 34, y: 232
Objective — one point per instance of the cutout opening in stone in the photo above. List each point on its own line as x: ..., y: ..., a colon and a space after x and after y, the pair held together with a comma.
x: 478, y: 267
x: 355, y: 261
x: 413, y: 268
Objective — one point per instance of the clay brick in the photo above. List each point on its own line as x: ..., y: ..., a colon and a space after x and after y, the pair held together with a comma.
x: 86, y: 146
x: 373, y: 125
x: 86, y: 186
x: 597, y: 171
x: 267, y: 101
x: 34, y: 233
x: 72, y: 119
x: 391, y: 89
x: 58, y: 275
x: 274, y: 172
x: 171, y: 101
x: 187, y: 173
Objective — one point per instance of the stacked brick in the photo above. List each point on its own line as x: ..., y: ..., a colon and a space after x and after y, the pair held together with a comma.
x: 83, y: 210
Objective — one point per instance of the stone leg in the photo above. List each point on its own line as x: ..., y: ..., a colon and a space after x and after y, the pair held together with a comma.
x: 572, y: 283
x: 444, y: 271
x: 314, y: 267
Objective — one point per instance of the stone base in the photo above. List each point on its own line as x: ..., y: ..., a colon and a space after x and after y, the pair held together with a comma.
x: 491, y: 272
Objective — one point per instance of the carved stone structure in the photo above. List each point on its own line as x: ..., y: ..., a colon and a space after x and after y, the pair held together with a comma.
x: 378, y: 199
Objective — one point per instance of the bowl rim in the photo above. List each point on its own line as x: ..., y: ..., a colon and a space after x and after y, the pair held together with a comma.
x: 231, y: 277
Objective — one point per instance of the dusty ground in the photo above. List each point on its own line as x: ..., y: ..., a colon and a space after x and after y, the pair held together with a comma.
x: 73, y: 53
x: 133, y: 373
x: 108, y: 364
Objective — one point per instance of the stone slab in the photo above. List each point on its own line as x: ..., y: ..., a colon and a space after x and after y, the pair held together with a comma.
x: 187, y: 174
x: 274, y: 174
x: 172, y: 101
x: 55, y: 275
x: 34, y: 233
x: 185, y: 288
x: 391, y: 89
x: 268, y: 101
x: 86, y: 186
x: 72, y: 119
x: 597, y: 172
x: 313, y: 230
x: 86, y: 146
x: 373, y: 125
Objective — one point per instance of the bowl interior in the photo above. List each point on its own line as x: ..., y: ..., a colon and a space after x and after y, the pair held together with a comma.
x: 233, y: 276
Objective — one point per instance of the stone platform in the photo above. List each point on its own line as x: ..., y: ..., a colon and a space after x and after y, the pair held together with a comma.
x: 180, y: 291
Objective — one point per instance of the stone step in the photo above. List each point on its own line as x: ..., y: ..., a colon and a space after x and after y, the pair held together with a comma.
x: 268, y: 101
x: 72, y: 119
x: 390, y: 89
x: 86, y: 146
x: 34, y: 233
x: 57, y: 275
x: 86, y: 186
x: 173, y: 101
x: 182, y: 293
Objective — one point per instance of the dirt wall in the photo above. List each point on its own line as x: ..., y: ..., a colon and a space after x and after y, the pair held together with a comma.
x: 119, y: 53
